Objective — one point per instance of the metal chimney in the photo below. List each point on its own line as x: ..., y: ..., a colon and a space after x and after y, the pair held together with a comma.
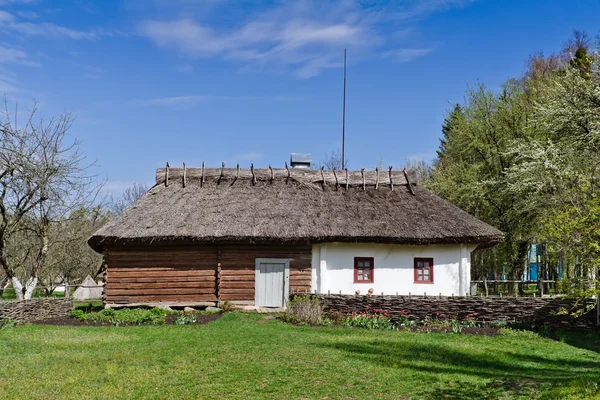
x: 300, y: 160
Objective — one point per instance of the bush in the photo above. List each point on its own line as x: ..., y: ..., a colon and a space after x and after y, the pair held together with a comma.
x: 304, y: 309
x: 7, y: 324
x: 227, y: 306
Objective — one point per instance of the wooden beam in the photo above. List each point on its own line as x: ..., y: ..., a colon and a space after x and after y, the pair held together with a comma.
x: 408, y: 182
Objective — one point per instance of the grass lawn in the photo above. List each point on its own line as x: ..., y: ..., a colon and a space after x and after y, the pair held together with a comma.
x: 250, y: 356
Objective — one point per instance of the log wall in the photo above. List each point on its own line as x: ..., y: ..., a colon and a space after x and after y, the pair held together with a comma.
x: 195, y: 274
x: 238, y: 263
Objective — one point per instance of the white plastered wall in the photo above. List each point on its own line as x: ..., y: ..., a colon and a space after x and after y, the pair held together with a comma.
x: 333, y: 268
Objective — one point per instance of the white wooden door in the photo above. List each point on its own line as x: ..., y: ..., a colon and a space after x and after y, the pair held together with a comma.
x: 272, y: 282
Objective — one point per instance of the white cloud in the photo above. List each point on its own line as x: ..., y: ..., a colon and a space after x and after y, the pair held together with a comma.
x: 306, y: 37
x: 9, y: 23
x: 299, y: 37
x: 13, y: 55
x: 406, y: 55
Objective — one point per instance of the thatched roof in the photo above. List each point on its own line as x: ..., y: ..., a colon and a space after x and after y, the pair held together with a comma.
x: 263, y: 205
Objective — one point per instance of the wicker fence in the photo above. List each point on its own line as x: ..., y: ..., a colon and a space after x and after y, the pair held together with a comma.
x: 538, y: 310
x: 35, y: 309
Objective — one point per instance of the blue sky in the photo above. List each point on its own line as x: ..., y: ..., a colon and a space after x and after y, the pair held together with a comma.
x: 249, y: 81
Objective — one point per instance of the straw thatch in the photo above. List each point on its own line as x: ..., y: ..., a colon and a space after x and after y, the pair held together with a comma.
x: 291, y: 206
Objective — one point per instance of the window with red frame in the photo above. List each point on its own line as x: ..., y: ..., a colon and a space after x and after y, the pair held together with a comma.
x: 423, y: 270
x: 363, y: 269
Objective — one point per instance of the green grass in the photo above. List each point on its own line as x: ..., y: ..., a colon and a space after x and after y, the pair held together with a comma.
x: 250, y: 356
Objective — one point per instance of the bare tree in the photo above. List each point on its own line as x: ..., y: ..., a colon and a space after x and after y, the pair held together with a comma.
x: 332, y: 161
x: 42, y: 178
x: 130, y: 196
x: 422, y: 168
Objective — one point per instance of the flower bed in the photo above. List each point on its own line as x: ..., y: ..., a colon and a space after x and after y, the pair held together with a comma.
x: 376, y: 318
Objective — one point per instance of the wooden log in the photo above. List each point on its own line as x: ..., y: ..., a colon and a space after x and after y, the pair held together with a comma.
x: 337, y: 184
x: 408, y: 182
x: 160, y: 273
x: 364, y: 186
x: 161, y: 285
x: 170, y: 291
x: 167, y: 175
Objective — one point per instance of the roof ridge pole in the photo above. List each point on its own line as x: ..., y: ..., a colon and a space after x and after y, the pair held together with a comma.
x: 222, y: 172
x: 337, y: 184
x: 288, y: 172
x: 184, y: 174
x: 202, y: 176
x: 253, y: 176
x: 346, y: 179
x: 237, y: 173
x: 391, y: 181
x: 167, y: 175
x: 272, y: 174
x: 362, y: 172
x: 408, y: 182
x: 377, y: 178
x: 323, y: 175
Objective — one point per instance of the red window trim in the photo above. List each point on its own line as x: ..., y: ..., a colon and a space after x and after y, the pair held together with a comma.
x: 431, y: 268
x: 356, y: 260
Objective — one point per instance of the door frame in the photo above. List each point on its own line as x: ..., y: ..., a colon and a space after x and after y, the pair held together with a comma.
x: 286, y: 276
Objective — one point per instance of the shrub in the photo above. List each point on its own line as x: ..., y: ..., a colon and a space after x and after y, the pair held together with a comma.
x: 227, y: 306
x: 304, y: 309
x: 7, y: 324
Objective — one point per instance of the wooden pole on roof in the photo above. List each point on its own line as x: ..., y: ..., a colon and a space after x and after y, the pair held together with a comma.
x: 237, y: 172
x: 222, y: 172
x: 323, y: 175
x: 391, y: 182
x: 337, y: 184
x: 408, y: 182
x: 253, y: 176
x: 184, y: 174
x: 272, y: 174
x: 167, y: 175
x: 362, y: 172
x: 377, y: 178
x: 288, y: 172
x: 346, y: 178
x: 202, y: 176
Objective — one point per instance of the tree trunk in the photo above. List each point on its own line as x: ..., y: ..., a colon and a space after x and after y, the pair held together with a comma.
x: 3, y: 281
x: 18, y: 287
x: 30, y: 287
x: 597, y: 310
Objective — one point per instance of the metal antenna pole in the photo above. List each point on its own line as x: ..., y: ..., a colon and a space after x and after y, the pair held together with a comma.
x: 344, y: 114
